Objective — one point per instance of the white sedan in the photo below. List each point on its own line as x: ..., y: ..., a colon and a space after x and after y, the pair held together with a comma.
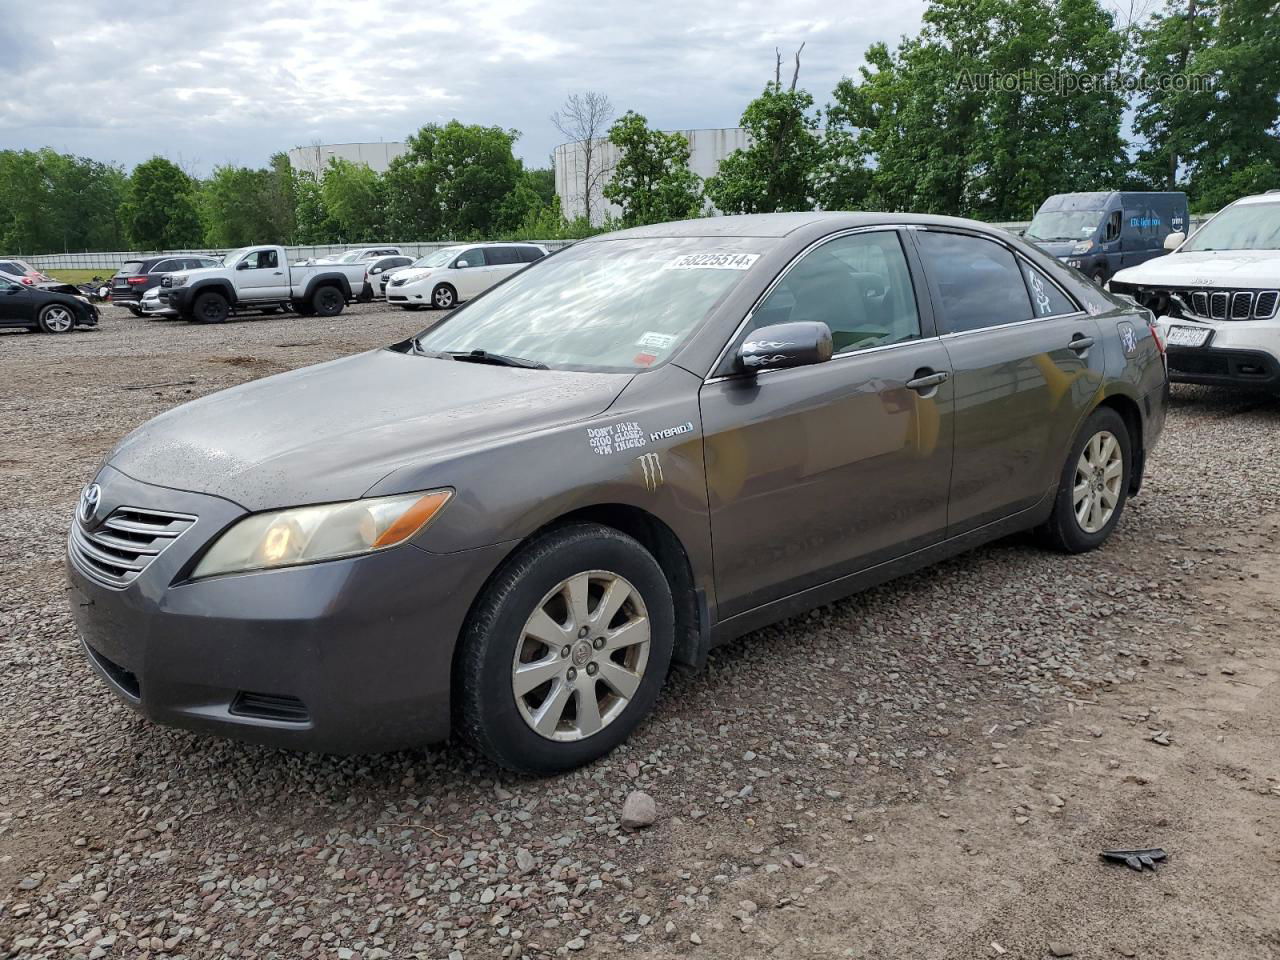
x: 453, y: 274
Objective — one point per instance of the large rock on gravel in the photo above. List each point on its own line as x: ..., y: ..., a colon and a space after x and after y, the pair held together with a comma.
x: 639, y: 810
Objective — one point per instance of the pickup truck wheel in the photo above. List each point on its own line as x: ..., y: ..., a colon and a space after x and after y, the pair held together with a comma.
x: 444, y: 297
x: 210, y: 308
x: 328, y: 301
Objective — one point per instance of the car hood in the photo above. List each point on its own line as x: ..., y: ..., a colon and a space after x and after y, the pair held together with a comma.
x: 1208, y: 268
x: 199, y: 273
x: 331, y: 431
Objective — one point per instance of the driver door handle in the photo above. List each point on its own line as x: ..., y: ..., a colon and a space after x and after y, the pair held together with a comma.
x: 926, y: 380
x: 1080, y: 344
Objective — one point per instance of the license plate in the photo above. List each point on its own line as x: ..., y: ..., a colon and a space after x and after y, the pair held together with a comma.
x: 1188, y: 337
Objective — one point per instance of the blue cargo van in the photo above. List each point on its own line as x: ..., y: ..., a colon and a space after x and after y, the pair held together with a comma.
x: 1100, y: 233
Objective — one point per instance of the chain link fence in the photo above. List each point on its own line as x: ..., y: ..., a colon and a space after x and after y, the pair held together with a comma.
x: 114, y: 260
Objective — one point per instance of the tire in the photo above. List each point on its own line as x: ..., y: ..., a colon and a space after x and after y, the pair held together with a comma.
x: 134, y: 310
x: 57, y: 318
x: 211, y: 307
x: 496, y: 642
x: 1065, y: 529
x: 328, y: 301
x: 444, y: 297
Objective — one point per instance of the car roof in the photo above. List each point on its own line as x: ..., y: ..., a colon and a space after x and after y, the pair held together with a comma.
x: 785, y: 224
x: 1268, y: 197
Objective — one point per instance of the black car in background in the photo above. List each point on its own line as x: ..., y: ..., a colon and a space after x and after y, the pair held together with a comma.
x: 380, y: 270
x: 39, y: 309
x: 136, y: 277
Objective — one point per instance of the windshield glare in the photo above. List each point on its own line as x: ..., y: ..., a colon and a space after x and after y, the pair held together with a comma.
x: 439, y: 258
x: 612, y: 305
x: 1247, y: 226
x: 235, y: 256
x: 1064, y: 224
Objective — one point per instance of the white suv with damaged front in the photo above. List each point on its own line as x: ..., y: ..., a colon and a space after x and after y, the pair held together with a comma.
x: 1216, y: 297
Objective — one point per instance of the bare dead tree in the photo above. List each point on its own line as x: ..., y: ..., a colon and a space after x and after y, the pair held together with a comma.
x: 796, y: 76
x: 584, y: 120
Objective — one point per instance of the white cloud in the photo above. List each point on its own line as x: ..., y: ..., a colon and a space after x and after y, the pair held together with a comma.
x: 235, y: 81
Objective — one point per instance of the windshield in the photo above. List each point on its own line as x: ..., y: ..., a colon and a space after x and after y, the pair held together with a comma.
x: 9, y: 267
x: 615, y: 305
x: 1245, y: 226
x: 235, y: 256
x: 1064, y: 224
x: 439, y: 258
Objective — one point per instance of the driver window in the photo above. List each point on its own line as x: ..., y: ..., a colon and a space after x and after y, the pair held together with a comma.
x: 473, y: 258
x: 858, y: 285
x: 1112, y: 230
x: 261, y: 260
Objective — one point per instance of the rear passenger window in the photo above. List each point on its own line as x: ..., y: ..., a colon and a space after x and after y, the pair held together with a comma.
x: 531, y: 254
x: 500, y: 256
x: 858, y: 285
x: 978, y: 281
x: 1046, y: 299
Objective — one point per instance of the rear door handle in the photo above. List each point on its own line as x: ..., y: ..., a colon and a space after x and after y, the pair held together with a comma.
x: 1080, y: 344
x: 925, y: 380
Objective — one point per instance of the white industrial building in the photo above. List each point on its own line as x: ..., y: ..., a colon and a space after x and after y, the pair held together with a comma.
x: 315, y: 158
x: 707, y: 147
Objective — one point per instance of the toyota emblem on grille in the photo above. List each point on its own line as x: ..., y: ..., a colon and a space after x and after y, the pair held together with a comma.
x: 90, y: 497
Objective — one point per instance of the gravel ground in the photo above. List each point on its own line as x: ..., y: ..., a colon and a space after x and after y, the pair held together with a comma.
x: 805, y: 758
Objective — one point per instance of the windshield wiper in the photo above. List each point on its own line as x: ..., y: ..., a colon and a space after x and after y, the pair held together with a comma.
x: 497, y: 359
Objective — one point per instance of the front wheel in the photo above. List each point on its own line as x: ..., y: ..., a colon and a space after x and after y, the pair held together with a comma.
x: 444, y: 297
x: 56, y: 318
x: 1094, y: 485
x: 566, y: 652
x: 328, y: 301
x: 210, y: 308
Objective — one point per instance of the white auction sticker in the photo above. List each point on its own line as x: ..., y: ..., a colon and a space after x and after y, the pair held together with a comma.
x: 714, y: 261
x: 659, y: 341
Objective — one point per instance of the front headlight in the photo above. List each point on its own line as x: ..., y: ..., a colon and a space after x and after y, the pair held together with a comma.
x: 82, y: 299
x: 1084, y: 246
x: 285, y: 538
x: 179, y: 281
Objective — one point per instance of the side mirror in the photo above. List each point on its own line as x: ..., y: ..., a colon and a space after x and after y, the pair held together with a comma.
x: 242, y: 265
x: 1174, y: 240
x: 376, y: 270
x: 785, y: 345
x: 461, y: 263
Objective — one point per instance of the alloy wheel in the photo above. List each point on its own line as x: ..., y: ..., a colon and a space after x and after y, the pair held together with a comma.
x: 58, y: 319
x: 1099, y: 474
x: 581, y: 656
x: 443, y: 298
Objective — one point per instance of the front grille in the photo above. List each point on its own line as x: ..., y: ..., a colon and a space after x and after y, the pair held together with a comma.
x: 270, y: 706
x: 397, y: 282
x: 116, y: 552
x: 1225, y: 304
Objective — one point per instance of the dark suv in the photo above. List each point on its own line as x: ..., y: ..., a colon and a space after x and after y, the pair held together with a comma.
x: 136, y: 277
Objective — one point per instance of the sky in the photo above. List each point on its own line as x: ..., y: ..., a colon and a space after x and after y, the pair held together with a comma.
x: 233, y: 81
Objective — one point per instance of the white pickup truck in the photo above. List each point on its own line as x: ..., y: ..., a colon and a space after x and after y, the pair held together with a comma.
x: 261, y: 278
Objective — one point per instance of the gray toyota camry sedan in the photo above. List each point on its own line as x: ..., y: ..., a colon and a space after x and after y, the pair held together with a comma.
x: 633, y: 450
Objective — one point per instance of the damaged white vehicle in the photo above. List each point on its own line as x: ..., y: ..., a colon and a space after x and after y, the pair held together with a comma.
x: 1216, y: 297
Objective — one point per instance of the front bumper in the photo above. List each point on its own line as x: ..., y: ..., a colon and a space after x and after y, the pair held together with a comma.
x: 348, y: 656
x: 1244, y: 354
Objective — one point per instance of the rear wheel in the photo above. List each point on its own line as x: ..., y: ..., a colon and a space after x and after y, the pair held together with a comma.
x: 328, y: 301
x: 56, y: 318
x: 566, y: 651
x: 210, y: 308
x: 1094, y: 485
x: 444, y: 297
x: 136, y: 311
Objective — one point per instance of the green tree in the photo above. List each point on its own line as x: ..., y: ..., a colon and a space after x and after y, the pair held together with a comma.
x: 311, y: 217
x: 652, y: 182
x: 242, y: 206
x: 161, y: 212
x: 353, y: 198
x: 542, y: 181
x: 454, y: 181
x: 51, y: 202
x: 778, y: 171
x: 1220, y: 138
x: 924, y: 128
